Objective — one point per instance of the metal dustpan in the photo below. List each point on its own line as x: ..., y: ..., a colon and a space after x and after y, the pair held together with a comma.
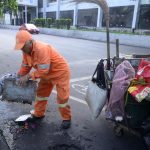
x: 23, y: 118
x: 15, y: 93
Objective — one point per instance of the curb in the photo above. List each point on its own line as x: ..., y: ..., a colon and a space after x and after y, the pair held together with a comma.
x: 124, y: 39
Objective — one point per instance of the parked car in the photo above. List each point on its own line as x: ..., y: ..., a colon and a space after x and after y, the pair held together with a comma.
x: 30, y: 28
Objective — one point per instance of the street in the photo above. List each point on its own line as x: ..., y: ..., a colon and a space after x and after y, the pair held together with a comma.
x: 85, y: 133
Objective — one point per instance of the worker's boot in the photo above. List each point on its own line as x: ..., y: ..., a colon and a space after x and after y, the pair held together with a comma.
x: 66, y: 124
x: 33, y: 117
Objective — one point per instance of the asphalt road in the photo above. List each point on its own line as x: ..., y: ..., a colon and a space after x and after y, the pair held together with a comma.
x: 85, y: 133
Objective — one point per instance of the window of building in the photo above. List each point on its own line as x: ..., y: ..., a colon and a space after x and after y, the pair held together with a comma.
x: 40, y: 15
x: 120, y: 16
x: 67, y: 15
x: 40, y: 3
x: 87, y: 17
x: 144, y: 17
x: 51, y: 1
x: 51, y: 15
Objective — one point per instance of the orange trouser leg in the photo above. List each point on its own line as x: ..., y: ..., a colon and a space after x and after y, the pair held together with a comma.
x: 43, y: 92
x: 63, y: 92
x: 40, y: 108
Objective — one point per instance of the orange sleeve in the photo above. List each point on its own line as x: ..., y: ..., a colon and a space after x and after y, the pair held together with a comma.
x: 43, y: 63
x: 25, y: 68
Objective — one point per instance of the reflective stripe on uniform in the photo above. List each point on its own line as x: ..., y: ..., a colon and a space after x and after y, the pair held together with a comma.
x: 44, y: 66
x: 41, y: 98
x: 25, y: 65
x: 62, y: 105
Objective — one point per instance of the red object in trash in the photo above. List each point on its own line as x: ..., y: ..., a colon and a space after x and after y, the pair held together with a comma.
x: 140, y: 92
x: 144, y: 71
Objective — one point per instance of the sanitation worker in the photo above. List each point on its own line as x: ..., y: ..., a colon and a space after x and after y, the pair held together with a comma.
x: 52, y: 70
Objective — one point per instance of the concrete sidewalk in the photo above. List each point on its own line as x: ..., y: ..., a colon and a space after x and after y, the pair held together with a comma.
x: 125, y: 39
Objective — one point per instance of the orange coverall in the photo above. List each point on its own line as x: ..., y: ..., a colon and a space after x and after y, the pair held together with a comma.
x: 52, y: 69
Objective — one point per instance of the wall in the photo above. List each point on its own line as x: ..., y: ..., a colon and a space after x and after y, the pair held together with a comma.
x: 113, y: 3
x: 145, y: 1
x: 66, y: 5
x: 28, y: 2
x: 7, y: 19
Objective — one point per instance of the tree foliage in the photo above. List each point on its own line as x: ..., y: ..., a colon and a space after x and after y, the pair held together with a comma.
x: 8, y: 6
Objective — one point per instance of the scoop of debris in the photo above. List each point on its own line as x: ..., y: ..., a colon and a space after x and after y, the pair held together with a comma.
x: 11, y: 91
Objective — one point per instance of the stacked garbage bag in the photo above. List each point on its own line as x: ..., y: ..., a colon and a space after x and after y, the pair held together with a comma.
x: 138, y: 97
x: 2, y: 79
x: 140, y: 86
x: 130, y: 94
x: 11, y: 91
x: 124, y: 73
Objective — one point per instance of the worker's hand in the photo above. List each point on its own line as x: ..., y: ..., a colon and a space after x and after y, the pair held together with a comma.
x: 22, y: 81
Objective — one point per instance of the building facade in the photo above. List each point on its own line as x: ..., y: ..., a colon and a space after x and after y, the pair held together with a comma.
x: 125, y: 13
x: 27, y: 11
x: 134, y: 14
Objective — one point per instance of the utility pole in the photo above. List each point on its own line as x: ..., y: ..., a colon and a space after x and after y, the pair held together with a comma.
x: 75, y: 19
x: 25, y: 13
x: 99, y: 17
x: 44, y: 8
x: 58, y: 10
x: 136, y: 14
x: 37, y: 11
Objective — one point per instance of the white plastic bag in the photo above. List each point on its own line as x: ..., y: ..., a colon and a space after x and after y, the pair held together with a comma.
x: 23, y: 118
x: 96, y: 98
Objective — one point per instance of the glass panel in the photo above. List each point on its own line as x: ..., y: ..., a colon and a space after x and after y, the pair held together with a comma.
x: 87, y: 17
x: 144, y: 18
x: 40, y: 3
x: 120, y: 16
x: 51, y: 1
x: 40, y: 15
x: 51, y: 15
x: 67, y: 14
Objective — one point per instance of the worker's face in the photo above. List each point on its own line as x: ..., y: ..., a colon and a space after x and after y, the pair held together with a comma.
x: 27, y: 48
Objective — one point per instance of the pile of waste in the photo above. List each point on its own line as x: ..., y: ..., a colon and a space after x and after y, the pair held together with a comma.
x: 2, y: 78
x: 11, y: 91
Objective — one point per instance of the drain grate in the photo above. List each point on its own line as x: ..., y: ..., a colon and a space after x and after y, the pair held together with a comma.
x: 64, y: 147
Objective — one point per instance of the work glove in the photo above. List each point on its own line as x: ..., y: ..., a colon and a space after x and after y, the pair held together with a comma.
x: 23, y: 79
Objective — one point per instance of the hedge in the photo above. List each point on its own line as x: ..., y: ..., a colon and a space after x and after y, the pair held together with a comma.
x: 50, y: 22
